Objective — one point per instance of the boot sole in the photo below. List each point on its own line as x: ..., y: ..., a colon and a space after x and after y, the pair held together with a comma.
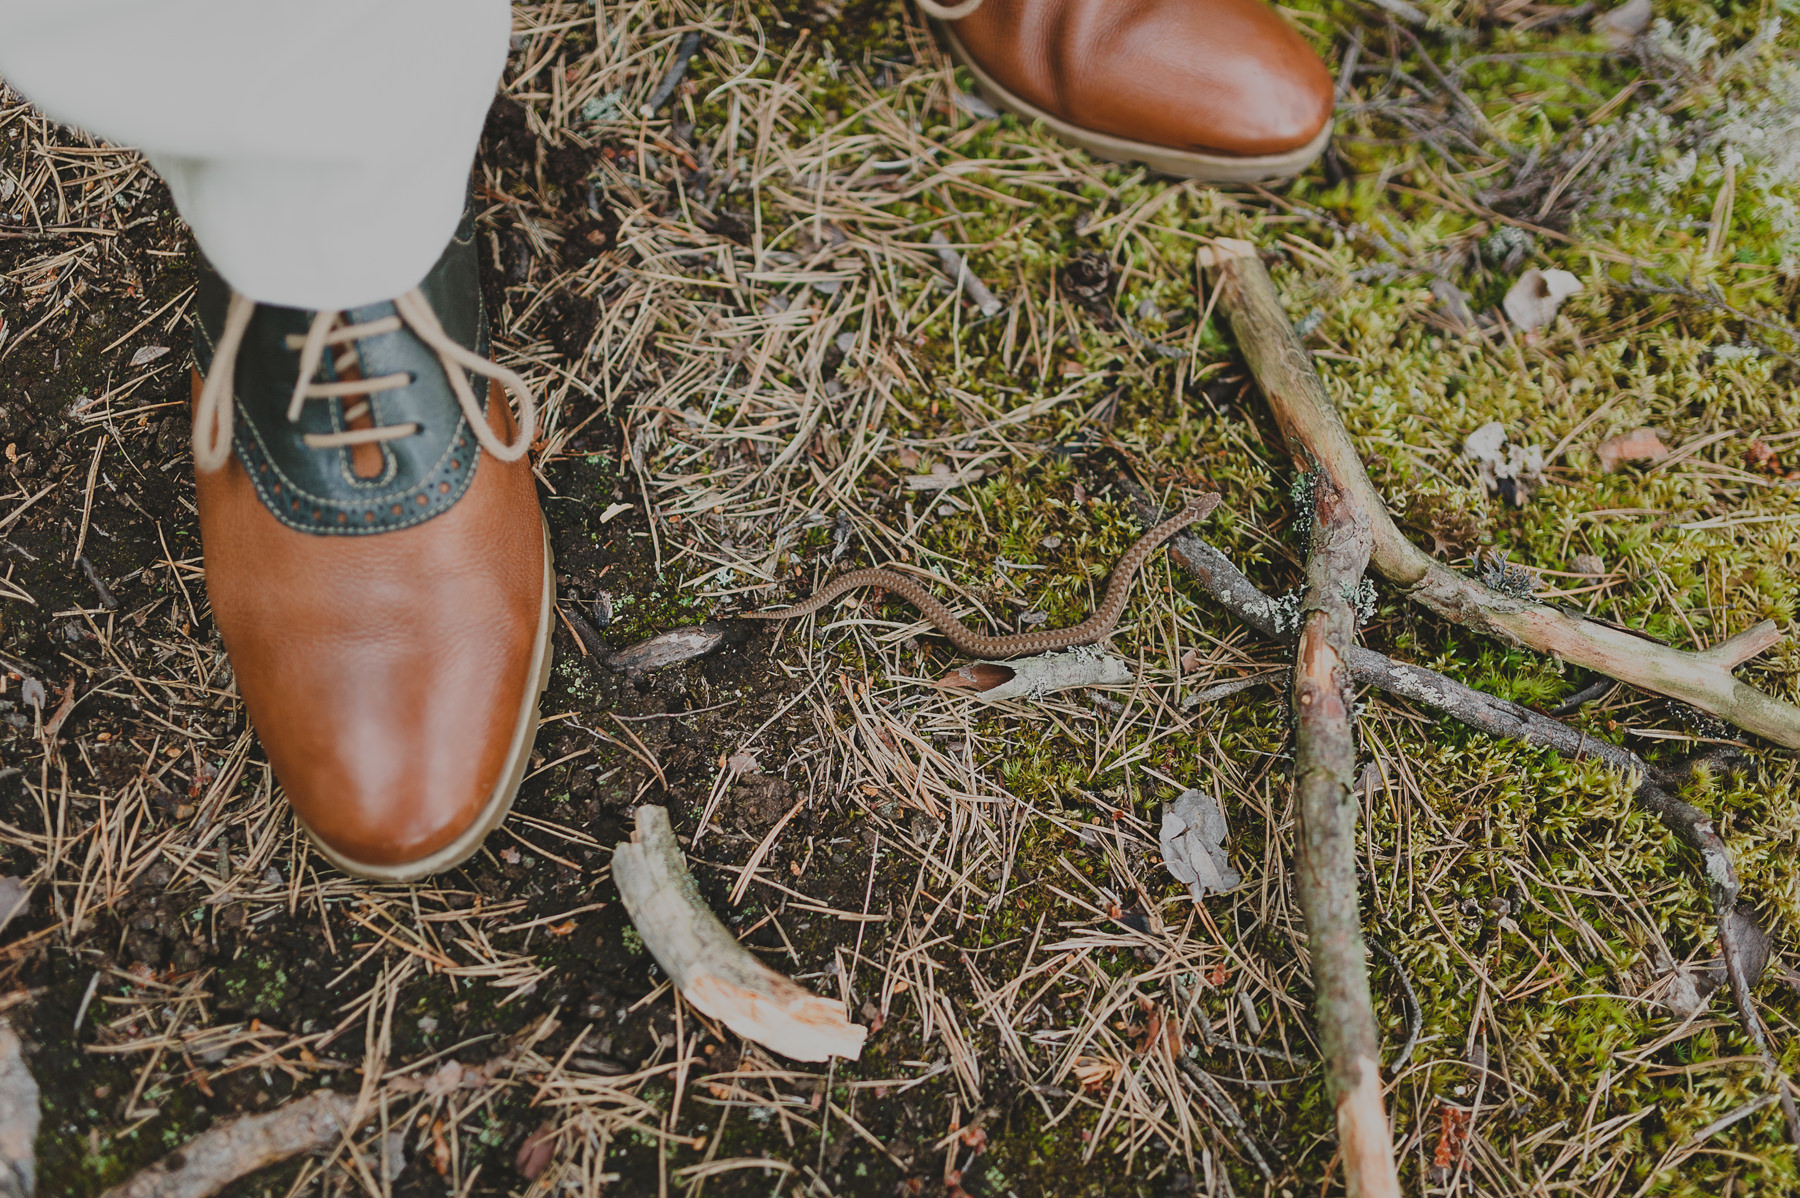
x: 1187, y: 164
x: 501, y: 801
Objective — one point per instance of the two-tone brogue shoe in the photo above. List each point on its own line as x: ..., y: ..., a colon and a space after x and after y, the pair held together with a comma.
x: 1218, y: 90
x: 376, y: 561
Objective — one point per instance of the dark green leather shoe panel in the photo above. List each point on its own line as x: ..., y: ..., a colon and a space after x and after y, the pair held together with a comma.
x: 316, y: 490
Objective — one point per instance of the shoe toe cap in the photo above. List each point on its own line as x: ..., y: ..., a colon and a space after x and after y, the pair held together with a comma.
x: 1239, y: 82
x: 398, y: 785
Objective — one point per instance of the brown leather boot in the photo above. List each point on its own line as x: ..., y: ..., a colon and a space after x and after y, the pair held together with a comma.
x: 1218, y: 90
x: 376, y: 562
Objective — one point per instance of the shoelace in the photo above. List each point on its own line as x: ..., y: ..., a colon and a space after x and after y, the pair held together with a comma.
x: 949, y: 12
x: 215, y: 413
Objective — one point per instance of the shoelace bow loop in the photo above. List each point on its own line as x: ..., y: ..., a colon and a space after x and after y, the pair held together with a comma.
x: 214, y: 411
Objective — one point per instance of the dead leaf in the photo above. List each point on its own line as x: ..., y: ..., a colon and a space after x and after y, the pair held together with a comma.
x: 148, y: 353
x: 942, y: 479
x: 1094, y: 1072
x: 743, y: 763
x: 1588, y: 564
x: 535, y: 1153
x: 448, y: 1077
x: 1193, y: 840
x: 15, y: 899
x: 1638, y: 445
x: 1507, y: 470
x: 1622, y: 25
x: 1687, y: 991
x: 19, y: 1117
x: 54, y: 724
x: 1534, y: 299
x: 1746, y: 940
x: 1453, y: 1132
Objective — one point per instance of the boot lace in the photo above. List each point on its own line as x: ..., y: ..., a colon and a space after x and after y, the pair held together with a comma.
x: 949, y: 12
x: 214, y: 413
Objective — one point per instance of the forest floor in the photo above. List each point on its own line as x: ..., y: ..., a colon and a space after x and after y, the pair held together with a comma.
x: 757, y: 373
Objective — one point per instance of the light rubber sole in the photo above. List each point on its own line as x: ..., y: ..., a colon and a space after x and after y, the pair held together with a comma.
x: 1187, y: 164
x: 505, y: 791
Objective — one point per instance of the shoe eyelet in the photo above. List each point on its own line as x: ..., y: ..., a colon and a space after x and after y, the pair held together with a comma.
x: 443, y: 488
x: 343, y: 517
x: 369, y: 516
x: 423, y: 501
x: 398, y: 509
x: 455, y: 464
x: 276, y: 489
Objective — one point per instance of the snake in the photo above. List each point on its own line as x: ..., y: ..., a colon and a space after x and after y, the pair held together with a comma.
x: 979, y: 645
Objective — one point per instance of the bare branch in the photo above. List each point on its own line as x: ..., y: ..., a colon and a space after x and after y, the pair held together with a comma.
x: 1325, y: 873
x: 214, y: 1159
x: 1314, y: 430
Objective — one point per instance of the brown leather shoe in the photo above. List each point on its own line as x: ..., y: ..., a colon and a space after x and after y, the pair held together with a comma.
x: 1218, y: 90
x: 376, y: 561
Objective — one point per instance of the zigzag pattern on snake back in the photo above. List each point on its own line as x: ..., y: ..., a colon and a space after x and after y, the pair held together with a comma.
x: 976, y: 644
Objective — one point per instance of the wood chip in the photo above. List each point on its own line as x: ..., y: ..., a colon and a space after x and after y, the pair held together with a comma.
x: 670, y: 648
x: 1533, y: 300
x: 1638, y: 445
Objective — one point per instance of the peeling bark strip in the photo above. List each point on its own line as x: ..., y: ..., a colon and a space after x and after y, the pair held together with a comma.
x: 1031, y: 678
x: 1325, y: 868
x: 209, y: 1162
x: 1313, y: 428
x: 707, y: 964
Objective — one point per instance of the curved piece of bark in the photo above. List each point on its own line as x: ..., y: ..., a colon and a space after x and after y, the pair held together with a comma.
x: 707, y: 964
x: 1034, y: 677
x: 1325, y: 850
x: 209, y: 1162
x: 1284, y: 372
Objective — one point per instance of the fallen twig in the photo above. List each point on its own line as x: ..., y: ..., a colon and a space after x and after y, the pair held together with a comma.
x: 1501, y: 717
x: 214, y: 1159
x: 960, y: 274
x: 711, y: 969
x: 1489, y: 713
x: 1325, y: 850
x: 684, y: 54
x: 1315, y: 432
